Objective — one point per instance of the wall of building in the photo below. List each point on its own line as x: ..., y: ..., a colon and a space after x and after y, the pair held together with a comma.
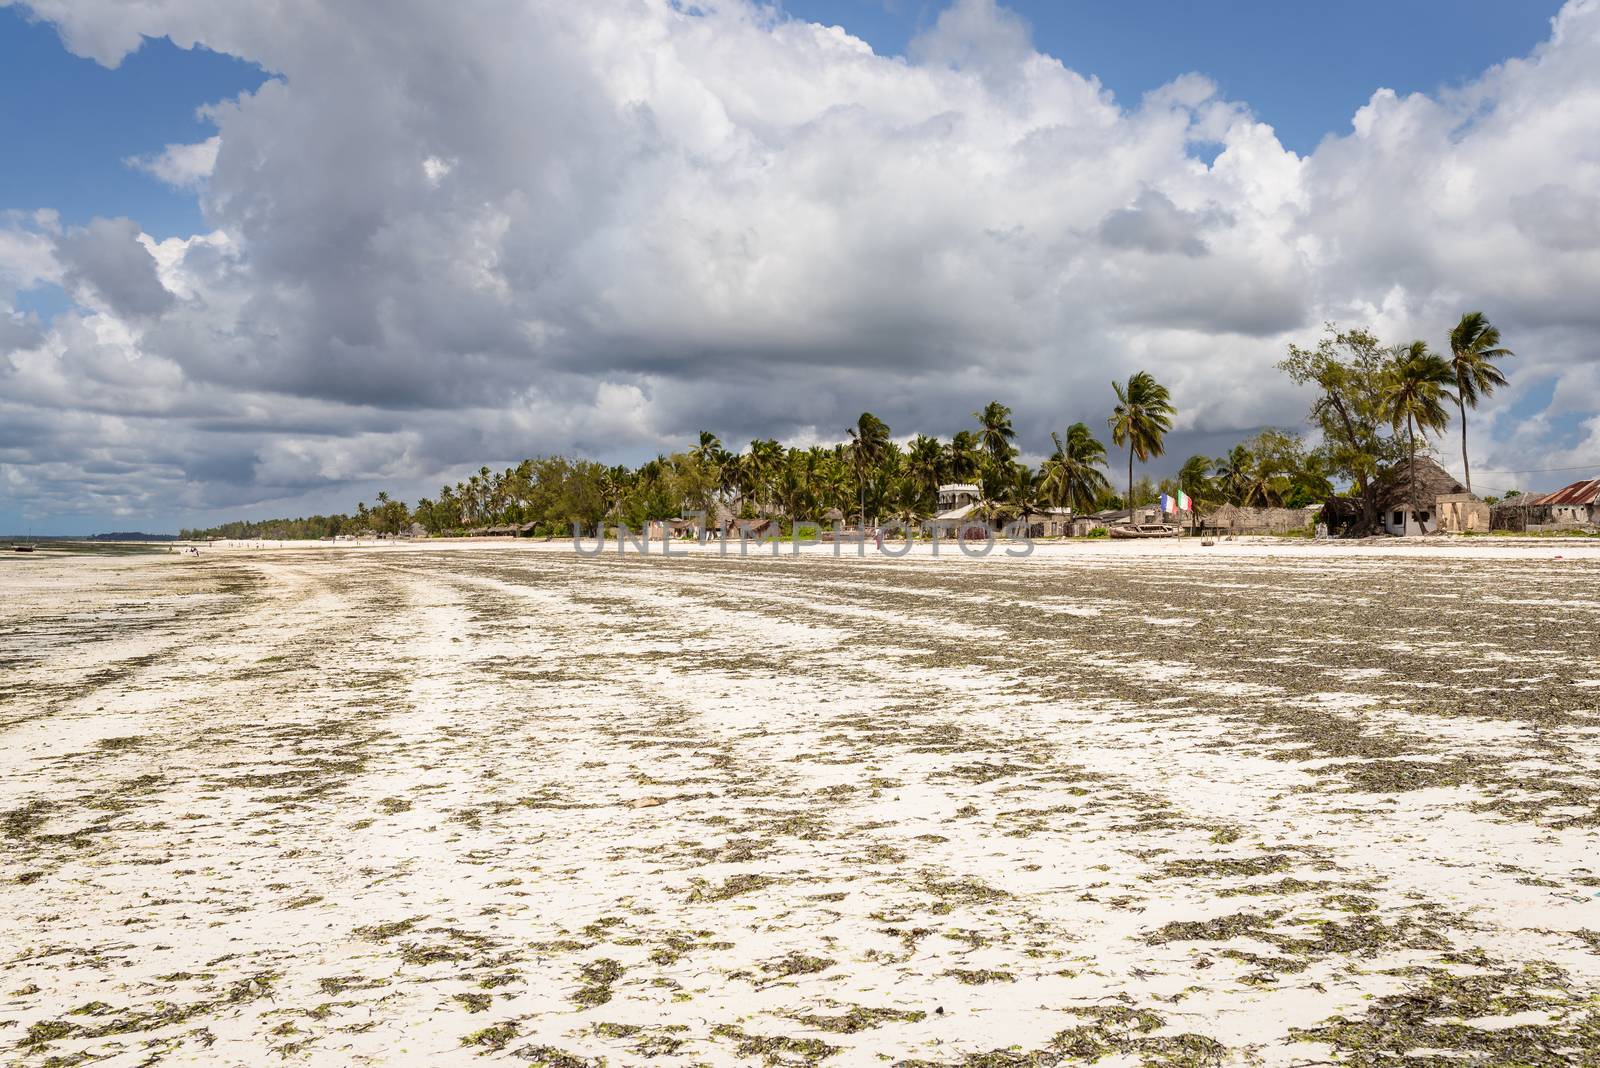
x: 1403, y: 522
x: 1546, y: 517
x: 1461, y: 513
x: 1234, y: 520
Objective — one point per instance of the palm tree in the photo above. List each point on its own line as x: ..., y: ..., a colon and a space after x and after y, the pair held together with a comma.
x: 996, y: 433
x: 962, y: 456
x: 924, y: 462
x: 833, y: 480
x: 728, y: 473
x: 707, y: 448
x: 869, y: 441
x: 766, y: 455
x: 1072, y: 473
x: 1194, y: 478
x: 1234, y: 472
x: 1474, y: 346
x: 1141, y: 419
x: 990, y: 510
x: 1021, y: 494
x: 1415, y: 391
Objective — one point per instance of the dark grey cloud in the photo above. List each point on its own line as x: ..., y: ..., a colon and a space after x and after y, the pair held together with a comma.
x: 1155, y: 224
x: 108, y: 258
x: 18, y: 332
x: 1559, y: 217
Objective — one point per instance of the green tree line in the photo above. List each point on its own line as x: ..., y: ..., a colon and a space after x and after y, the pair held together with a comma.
x: 1375, y: 405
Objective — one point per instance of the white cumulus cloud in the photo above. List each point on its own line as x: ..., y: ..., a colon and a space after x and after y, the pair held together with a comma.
x: 184, y: 166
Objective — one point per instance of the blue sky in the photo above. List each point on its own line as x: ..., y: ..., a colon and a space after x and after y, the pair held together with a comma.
x: 1303, y: 67
x: 72, y: 123
x: 293, y: 431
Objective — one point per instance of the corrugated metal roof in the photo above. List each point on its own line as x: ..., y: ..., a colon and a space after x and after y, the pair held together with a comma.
x: 1586, y: 492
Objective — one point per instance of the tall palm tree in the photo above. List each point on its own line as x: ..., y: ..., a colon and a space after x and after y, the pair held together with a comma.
x: 995, y: 433
x: 1194, y: 478
x: 766, y: 455
x: 869, y: 442
x: 1249, y: 480
x: 962, y: 455
x: 924, y: 463
x: 1234, y: 472
x: 707, y: 448
x: 1140, y: 421
x: 728, y: 474
x: 1474, y: 346
x: 833, y: 480
x: 1072, y: 473
x: 1415, y: 392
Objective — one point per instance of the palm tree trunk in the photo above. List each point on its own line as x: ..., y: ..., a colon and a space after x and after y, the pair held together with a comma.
x: 1411, y: 445
x: 1130, y: 482
x: 1466, y: 468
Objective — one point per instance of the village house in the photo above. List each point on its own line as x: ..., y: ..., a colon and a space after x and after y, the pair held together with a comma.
x: 1046, y: 522
x: 753, y: 529
x: 1425, y: 499
x: 662, y: 529
x: 958, y: 503
x: 1572, y: 507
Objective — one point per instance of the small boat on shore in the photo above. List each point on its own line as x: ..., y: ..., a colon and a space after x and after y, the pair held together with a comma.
x: 1143, y: 530
x: 22, y: 548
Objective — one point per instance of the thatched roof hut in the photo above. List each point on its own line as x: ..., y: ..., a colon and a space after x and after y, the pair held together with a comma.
x: 1432, y: 481
x: 753, y: 528
x: 1420, y: 498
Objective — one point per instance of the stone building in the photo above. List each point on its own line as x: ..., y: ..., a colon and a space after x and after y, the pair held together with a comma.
x: 1424, y: 499
x: 1574, y: 507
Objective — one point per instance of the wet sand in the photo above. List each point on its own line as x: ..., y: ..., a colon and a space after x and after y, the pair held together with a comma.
x: 1264, y: 803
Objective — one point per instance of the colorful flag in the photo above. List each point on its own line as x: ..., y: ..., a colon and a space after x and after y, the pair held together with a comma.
x: 1184, y: 503
x: 1173, y: 505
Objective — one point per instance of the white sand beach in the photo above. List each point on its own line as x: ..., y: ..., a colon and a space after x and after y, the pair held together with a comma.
x: 1266, y: 802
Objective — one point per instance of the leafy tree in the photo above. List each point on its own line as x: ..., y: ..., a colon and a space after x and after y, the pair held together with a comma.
x: 1349, y: 369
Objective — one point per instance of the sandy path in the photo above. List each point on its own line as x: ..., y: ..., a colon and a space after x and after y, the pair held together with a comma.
x: 1117, y: 803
